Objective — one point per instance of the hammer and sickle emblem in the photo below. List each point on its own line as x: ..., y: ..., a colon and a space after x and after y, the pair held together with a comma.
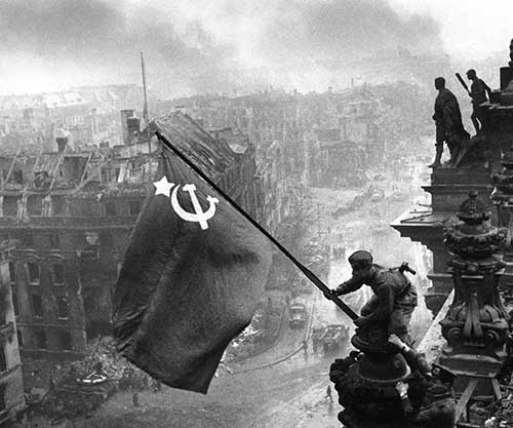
x: 199, y: 215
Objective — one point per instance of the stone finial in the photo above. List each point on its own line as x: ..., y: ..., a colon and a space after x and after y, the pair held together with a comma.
x: 472, y: 210
x: 474, y: 239
x: 503, y: 180
x: 475, y: 325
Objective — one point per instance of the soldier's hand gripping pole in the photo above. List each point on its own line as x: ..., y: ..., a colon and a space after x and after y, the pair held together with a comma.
x: 329, y: 294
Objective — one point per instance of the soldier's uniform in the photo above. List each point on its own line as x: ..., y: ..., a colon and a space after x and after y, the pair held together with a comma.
x: 394, y: 300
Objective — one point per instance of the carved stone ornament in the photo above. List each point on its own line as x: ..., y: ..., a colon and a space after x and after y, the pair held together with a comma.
x: 475, y: 324
x: 503, y: 181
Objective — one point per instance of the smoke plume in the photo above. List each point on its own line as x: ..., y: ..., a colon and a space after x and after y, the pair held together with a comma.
x: 210, y: 46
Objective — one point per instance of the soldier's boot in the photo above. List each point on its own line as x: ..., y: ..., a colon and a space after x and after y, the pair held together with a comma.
x: 438, y: 157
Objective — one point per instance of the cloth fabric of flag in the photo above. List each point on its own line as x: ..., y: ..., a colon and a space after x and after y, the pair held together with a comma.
x: 194, y: 270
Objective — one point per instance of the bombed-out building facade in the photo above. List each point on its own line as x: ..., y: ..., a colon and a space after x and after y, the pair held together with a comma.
x: 12, y: 399
x: 70, y: 214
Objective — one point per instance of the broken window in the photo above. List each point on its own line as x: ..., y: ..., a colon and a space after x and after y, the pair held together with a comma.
x: 58, y: 274
x: 37, y: 305
x: 34, y: 205
x: 105, y: 175
x: 3, y: 359
x: 10, y: 206
x: 12, y: 272
x: 110, y: 208
x: 33, y: 271
x: 65, y: 341
x: 40, y: 337
x: 42, y: 180
x: 18, y: 176
x: 58, y: 205
x: 62, y: 307
x: 134, y: 207
x: 3, y: 407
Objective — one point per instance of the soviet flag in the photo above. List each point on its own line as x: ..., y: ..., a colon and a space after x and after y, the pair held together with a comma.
x: 195, y: 267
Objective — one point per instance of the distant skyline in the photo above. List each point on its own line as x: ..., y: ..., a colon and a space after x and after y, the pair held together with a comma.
x: 219, y: 45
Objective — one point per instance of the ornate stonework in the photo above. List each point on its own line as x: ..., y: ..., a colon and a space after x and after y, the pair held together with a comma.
x: 475, y: 325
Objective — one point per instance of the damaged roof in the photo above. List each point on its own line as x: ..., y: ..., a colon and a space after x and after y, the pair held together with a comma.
x: 213, y: 157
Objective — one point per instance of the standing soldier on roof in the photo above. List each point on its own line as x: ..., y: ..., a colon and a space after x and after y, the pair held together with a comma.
x: 449, y: 126
x: 478, y: 92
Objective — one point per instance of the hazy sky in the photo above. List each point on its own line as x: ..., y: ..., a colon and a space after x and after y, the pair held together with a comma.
x: 193, y: 46
x: 469, y: 28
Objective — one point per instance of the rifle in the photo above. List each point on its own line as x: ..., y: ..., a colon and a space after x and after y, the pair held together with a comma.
x: 460, y: 79
x: 404, y: 268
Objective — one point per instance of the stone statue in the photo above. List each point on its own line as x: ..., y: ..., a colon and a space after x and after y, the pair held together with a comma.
x: 480, y: 92
x: 449, y: 126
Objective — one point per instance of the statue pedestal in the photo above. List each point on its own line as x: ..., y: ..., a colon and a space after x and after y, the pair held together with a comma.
x: 367, y: 382
x: 475, y: 326
x: 368, y: 402
x: 451, y: 186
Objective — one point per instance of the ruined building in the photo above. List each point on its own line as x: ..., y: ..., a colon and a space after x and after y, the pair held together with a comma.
x: 12, y: 399
x: 72, y: 214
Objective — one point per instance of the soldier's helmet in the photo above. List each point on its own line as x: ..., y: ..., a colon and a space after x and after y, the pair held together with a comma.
x: 360, y: 259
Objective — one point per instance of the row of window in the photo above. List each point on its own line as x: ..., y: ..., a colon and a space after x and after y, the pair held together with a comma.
x: 63, y: 340
x: 3, y: 360
x: 35, y: 205
x: 61, y: 302
x: 34, y: 273
x: 53, y: 241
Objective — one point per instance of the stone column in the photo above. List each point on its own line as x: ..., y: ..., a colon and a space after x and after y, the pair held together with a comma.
x: 475, y: 326
x: 502, y: 198
x: 368, y: 381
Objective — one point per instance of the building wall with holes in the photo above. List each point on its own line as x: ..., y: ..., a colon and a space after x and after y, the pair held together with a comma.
x: 12, y: 399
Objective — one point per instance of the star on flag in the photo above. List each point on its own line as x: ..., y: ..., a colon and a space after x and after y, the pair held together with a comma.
x: 163, y: 187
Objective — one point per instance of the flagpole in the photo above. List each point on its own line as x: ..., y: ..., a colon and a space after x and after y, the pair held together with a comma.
x: 308, y: 273
x: 145, y: 107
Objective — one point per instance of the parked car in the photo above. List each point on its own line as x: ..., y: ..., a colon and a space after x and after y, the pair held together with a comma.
x: 297, y: 313
x: 377, y: 195
x: 334, y: 336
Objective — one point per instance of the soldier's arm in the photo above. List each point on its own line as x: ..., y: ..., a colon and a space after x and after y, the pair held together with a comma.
x: 385, y: 306
x: 348, y: 286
